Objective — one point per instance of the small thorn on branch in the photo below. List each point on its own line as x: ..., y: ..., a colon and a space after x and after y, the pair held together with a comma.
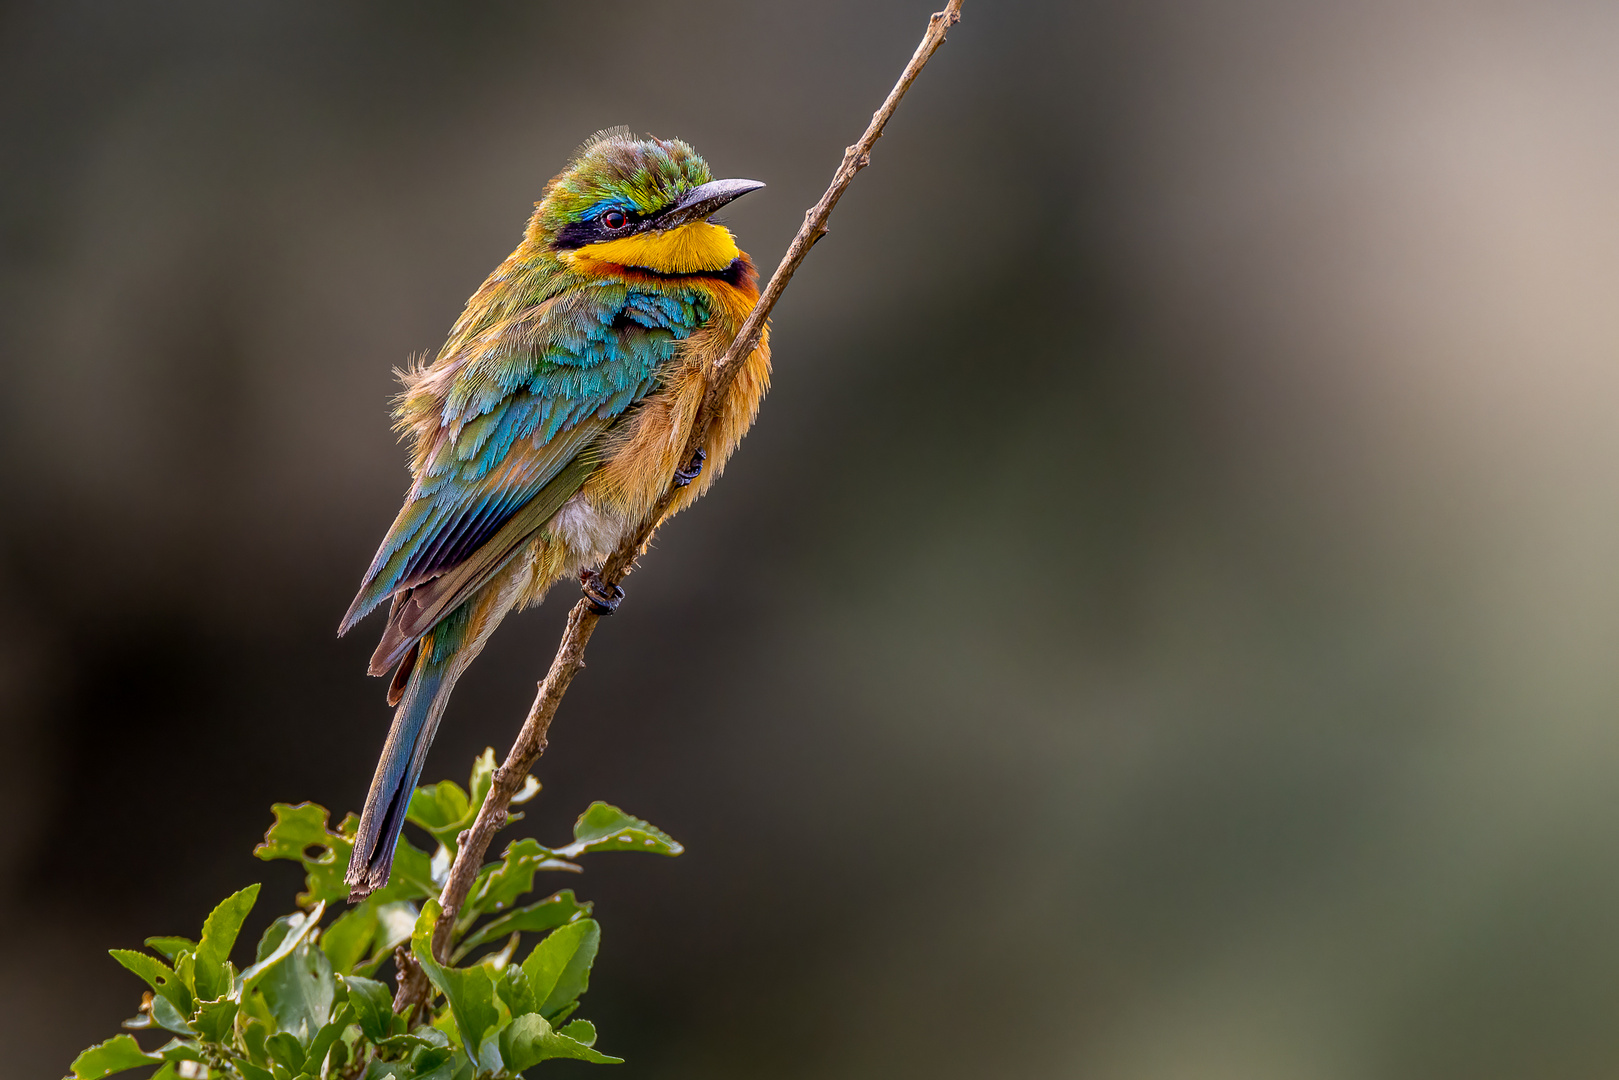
x: 411, y: 980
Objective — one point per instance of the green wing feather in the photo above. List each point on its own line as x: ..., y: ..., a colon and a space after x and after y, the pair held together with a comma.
x: 509, y: 440
x: 417, y: 609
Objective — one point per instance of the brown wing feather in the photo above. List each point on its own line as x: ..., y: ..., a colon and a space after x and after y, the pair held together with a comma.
x: 416, y: 610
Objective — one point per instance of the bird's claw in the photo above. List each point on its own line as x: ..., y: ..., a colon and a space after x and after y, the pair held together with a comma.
x: 603, y: 598
x: 692, y: 470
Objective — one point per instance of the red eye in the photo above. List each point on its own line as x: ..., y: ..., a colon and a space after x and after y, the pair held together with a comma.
x: 614, y: 219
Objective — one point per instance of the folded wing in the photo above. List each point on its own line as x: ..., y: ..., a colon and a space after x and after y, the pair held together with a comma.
x: 508, y: 432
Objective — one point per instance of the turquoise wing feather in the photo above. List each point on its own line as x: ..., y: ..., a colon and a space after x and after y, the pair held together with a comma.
x: 523, y: 406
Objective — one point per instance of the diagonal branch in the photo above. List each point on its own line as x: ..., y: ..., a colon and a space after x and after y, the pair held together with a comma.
x: 570, y: 657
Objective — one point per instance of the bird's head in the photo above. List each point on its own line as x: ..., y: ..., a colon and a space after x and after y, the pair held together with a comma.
x: 641, y: 203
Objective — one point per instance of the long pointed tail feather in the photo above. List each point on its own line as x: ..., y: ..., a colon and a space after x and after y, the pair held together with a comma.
x: 400, y: 767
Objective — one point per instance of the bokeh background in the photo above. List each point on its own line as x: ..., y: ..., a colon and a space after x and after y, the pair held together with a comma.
x: 1163, y: 625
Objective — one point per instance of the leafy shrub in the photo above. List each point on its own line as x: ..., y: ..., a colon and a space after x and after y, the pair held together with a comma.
x: 309, y: 1007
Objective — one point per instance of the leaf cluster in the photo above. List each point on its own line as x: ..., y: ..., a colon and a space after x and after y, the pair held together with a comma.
x: 309, y: 1008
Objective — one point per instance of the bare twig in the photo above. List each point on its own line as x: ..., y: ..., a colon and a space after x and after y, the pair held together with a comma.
x: 570, y: 657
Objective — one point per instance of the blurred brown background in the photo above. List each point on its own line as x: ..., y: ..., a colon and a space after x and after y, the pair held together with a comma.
x: 1163, y: 625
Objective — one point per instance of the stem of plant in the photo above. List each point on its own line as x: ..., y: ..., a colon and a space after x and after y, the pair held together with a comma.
x: 570, y: 656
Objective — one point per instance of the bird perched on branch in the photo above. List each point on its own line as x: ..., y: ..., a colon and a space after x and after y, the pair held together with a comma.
x: 548, y: 426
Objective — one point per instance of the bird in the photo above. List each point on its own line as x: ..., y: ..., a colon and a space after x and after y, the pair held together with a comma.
x: 549, y: 425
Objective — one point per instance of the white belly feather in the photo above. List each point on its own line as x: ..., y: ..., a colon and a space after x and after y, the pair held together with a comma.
x: 590, y: 534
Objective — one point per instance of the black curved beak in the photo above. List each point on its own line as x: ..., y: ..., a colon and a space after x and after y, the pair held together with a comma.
x: 703, y: 200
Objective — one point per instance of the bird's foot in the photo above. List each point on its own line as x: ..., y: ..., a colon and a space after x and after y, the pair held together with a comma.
x: 603, y: 598
x: 692, y: 470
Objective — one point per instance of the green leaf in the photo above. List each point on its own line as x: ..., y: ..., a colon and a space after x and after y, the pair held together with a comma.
x: 444, y: 1024
x: 180, y: 1050
x: 513, y: 989
x: 425, y: 1038
x: 580, y: 1031
x: 219, y: 932
x: 470, y: 991
x: 607, y: 828
x: 284, y: 1047
x: 168, y: 1017
x: 445, y: 810
x: 115, y: 1055
x: 299, y: 991
x: 497, y: 961
x: 373, y: 1006
x: 443, y: 1065
x: 276, y: 934
x: 159, y: 976
x: 254, y: 1034
x: 250, y: 1071
x: 280, y: 939
x: 326, y: 1038
x: 371, y: 927
x: 498, y: 885
x: 185, y: 967
x: 348, y: 939
x: 482, y: 778
x: 300, y: 833
x: 215, y: 1020
x: 442, y: 809
x: 395, y: 921
x: 170, y: 947
x: 558, y: 969
x: 529, y: 1040
x: 254, y: 1007
x: 555, y: 910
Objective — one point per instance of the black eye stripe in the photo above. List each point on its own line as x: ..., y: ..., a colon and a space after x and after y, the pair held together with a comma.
x: 594, y: 229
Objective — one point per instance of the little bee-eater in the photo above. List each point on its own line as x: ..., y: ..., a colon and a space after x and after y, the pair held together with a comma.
x: 548, y: 426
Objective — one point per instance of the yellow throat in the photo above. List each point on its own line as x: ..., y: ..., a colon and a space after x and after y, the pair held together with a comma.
x: 688, y: 249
